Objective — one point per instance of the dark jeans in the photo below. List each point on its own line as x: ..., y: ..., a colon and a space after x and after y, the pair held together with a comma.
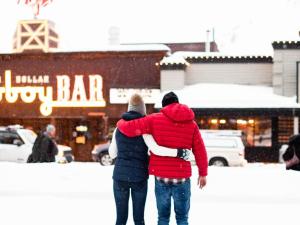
x: 138, y: 191
x: 181, y: 194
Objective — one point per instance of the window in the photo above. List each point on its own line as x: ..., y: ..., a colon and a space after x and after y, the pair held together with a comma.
x: 8, y: 137
x: 256, y: 131
x: 29, y: 135
x: 217, y: 143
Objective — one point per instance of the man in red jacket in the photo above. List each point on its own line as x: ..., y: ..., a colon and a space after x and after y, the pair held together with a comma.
x: 173, y: 127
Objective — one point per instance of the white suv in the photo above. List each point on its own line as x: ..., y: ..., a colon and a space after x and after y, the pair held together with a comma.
x: 16, y: 145
x: 224, y: 147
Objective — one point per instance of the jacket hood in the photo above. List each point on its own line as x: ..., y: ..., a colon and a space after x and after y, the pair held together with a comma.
x: 131, y: 115
x: 178, y: 112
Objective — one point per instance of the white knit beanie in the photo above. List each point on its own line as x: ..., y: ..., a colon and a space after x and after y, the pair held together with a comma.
x: 137, y: 104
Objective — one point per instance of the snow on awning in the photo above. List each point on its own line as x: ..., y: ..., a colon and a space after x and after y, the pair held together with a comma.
x: 211, y: 95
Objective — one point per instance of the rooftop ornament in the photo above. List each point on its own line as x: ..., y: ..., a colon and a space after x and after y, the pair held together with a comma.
x: 36, y: 5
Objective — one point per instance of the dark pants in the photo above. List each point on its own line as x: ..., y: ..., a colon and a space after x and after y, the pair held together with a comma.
x: 181, y: 194
x: 138, y: 191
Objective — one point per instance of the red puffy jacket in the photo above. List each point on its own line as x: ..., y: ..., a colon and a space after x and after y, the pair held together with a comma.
x: 172, y: 127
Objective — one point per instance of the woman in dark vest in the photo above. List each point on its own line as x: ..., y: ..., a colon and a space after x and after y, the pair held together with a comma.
x: 131, y: 167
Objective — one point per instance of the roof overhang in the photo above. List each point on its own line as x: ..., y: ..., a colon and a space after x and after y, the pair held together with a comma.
x: 209, y: 99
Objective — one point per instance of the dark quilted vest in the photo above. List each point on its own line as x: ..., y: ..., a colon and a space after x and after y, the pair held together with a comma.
x: 132, y: 160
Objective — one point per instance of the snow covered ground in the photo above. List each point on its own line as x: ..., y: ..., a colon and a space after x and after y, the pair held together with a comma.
x: 81, y: 193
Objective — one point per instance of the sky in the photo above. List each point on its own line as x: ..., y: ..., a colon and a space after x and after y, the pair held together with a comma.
x: 246, y: 27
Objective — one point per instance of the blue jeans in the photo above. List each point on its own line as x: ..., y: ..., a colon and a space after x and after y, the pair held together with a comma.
x: 138, y: 191
x: 181, y: 194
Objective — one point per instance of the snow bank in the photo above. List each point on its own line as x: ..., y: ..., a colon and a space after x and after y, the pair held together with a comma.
x: 81, y: 193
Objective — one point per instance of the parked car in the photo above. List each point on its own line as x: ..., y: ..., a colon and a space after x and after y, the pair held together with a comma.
x: 100, y: 154
x: 224, y: 148
x: 16, y: 145
x: 224, y: 151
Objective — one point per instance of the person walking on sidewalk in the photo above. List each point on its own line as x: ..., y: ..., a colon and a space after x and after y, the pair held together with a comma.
x: 173, y: 127
x: 44, y: 148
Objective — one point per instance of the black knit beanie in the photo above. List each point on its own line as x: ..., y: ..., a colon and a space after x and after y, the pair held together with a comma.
x: 169, y: 98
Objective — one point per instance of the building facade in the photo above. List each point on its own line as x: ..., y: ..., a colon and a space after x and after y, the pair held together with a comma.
x: 84, y: 93
x: 81, y: 93
x: 255, y: 94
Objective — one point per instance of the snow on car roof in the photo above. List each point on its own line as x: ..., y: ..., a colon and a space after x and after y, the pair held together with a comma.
x: 11, y: 127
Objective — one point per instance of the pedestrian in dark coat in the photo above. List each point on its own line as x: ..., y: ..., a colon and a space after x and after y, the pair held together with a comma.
x: 131, y: 168
x: 44, y: 148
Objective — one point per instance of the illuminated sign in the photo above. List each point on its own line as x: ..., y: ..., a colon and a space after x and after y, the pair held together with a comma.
x: 67, y: 96
x: 122, y: 95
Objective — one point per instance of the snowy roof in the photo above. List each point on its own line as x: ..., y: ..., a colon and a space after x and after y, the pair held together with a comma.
x: 141, y: 47
x: 173, y: 59
x: 212, y: 57
x: 189, y: 54
x: 123, y: 48
x: 286, y: 44
x: 209, y: 95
